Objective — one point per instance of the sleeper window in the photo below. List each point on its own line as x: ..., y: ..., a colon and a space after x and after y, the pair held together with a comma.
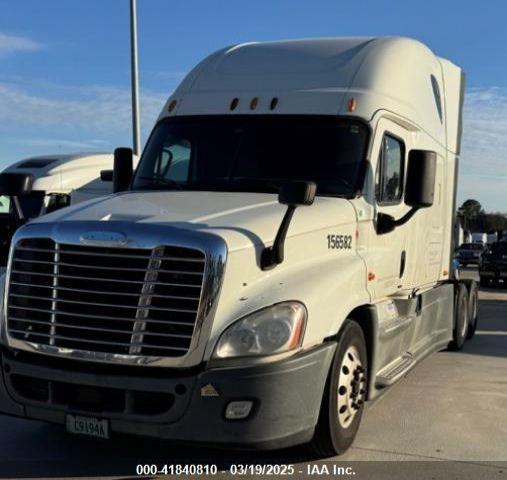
x: 389, y: 182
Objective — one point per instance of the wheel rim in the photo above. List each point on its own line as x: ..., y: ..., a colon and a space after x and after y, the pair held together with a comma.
x: 351, y: 387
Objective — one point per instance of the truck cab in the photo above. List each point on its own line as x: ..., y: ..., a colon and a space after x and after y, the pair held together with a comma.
x: 39, y: 185
x: 280, y: 256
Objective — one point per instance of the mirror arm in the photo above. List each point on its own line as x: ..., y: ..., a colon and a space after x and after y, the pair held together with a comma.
x: 272, y: 256
x: 387, y: 223
x: 406, y: 217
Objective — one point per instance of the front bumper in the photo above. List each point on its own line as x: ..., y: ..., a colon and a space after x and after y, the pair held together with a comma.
x: 466, y: 260
x: 287, y: 395
x: 493, y: 272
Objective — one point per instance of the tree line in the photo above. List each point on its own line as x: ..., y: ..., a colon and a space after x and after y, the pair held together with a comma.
x: 473, y: 218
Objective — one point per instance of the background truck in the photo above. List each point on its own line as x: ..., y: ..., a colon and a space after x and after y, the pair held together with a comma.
x: 492, y: 238
x: 281, y: 255
x: 480, y: 237
x: 38, y: 185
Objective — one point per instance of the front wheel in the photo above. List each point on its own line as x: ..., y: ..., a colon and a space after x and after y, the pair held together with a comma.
x: 344, y: 396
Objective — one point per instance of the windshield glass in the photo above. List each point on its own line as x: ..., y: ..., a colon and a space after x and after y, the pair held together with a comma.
x: 254, y: 153
x: 5, y: 205
x: 31, y: 204
x: 499, y: 248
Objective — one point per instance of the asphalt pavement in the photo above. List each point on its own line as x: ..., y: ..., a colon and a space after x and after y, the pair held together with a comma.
x: 446, y: 419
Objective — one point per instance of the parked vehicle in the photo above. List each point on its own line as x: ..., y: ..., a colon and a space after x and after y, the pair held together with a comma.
x: 492, y: 238
x: 481, y: 238
x: 281, y: 255
x: 459, y: 234
x: 39, y: 185
x: 493, y: 265
x: 470, y: 253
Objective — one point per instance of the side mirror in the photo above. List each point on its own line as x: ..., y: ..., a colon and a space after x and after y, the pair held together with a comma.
x: 296, y: 194
x: 419, y: 189
x: 106, y: 175
x: 15, y: 184
x: 421, y: 173
x: 123, y: 169
x: 293, y: 194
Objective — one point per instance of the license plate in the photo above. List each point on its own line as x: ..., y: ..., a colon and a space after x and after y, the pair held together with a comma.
x: 95, y: 427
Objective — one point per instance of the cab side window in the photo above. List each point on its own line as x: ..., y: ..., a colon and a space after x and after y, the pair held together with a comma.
x: 390, y: 171
x: 174, y: 161
x: 5, y: 205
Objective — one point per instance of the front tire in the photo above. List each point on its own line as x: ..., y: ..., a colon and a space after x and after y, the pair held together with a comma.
x: 344, y: 396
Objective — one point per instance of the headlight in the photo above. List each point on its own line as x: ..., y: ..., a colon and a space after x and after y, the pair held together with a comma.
x: 268, y: 331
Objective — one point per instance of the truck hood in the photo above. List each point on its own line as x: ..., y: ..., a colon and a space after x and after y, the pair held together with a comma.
x: 241, y: 219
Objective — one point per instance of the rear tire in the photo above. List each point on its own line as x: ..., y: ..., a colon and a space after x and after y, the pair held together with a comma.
x: 461, y: 318
x: 473, y: 308
x: 484, y: 281
x: 343, y: 401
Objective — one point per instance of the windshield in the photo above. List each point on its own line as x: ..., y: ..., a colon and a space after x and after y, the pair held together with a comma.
x: 254, y: 153
x: 499, y: 248
x: 5, y: 205
x: 31, y: 204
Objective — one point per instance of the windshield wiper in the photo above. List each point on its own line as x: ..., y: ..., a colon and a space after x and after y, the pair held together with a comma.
x: 159, y: 180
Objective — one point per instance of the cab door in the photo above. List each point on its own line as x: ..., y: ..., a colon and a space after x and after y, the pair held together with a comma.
x: 391, y: 255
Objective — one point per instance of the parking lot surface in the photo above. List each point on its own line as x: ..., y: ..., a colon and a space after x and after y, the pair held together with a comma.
x: 451, y: 407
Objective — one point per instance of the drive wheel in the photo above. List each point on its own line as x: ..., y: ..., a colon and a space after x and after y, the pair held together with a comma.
x: 461, y: 318
x: 473, y: 307
x: 344, y: 396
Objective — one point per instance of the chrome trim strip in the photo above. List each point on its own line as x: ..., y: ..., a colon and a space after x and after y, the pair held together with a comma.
x: 39, y: 274
x: 99, y: 292
x: 99, y: 267
x: 97, y: 329
x: 98, y: 342
x: 91, y: 254
x: 145, y: 236
x: 55, y: 299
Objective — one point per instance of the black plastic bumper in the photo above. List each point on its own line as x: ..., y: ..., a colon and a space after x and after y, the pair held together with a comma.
x: 286, y: 394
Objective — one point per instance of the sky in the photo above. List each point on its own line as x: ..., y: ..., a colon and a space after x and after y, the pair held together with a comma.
x: 65, y: 66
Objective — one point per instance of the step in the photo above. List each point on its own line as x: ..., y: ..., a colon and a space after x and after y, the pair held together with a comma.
x: 395, y: 371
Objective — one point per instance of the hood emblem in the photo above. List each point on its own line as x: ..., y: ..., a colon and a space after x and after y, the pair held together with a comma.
x: 102, y: 238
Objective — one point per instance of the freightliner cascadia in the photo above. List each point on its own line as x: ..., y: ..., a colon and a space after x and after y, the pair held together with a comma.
x: 280, y: 256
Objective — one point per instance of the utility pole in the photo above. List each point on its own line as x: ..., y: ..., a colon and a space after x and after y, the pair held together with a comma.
x: 136, y: 129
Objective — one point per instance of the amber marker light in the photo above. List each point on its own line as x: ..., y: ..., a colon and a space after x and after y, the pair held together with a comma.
x: 351, y: 104
x: 172, y: 106
x: 371, y: 276
x: 234, y: 104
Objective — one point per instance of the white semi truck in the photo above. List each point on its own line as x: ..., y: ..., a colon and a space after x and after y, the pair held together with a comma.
x: 280, y: 256
x: 38, y: 185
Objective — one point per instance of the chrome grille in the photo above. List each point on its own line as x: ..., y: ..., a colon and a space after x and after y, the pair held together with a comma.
x: 114, y: 300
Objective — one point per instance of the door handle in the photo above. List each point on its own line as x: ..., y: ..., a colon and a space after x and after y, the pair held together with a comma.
x: 402, y: 262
